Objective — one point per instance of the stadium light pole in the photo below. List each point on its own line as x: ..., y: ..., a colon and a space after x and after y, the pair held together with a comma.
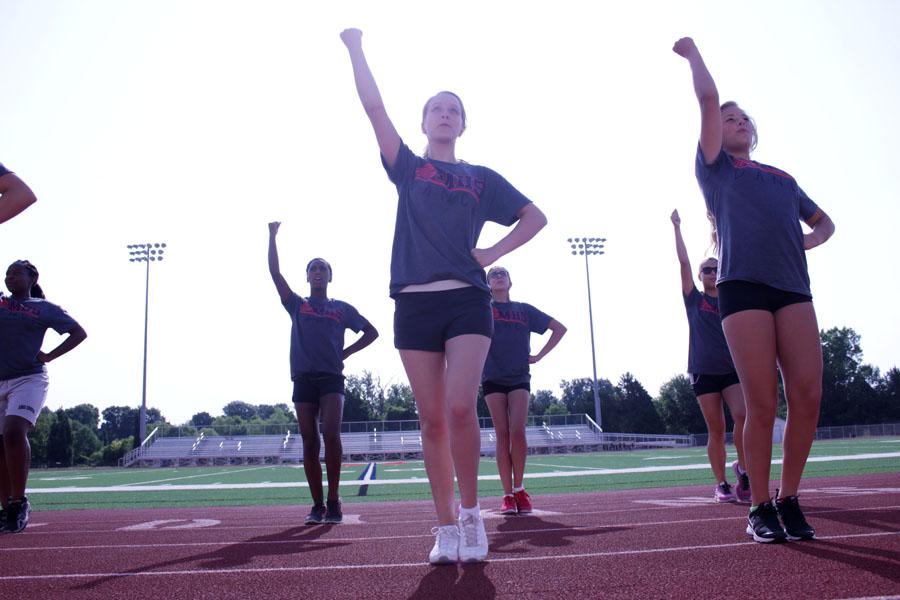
x: 587, y: 247
x: 145, y: 253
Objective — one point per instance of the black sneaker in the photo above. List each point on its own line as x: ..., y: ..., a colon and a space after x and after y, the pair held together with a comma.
x: 333, y: 512
x: 763, y: 524
x: 17, y: 512
x: 795, y: 525
x: 2, y: 520
x: 316, y: 515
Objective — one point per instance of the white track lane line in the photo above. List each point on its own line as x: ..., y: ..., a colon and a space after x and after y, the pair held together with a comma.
x: 415, y: 536
x: 195, y: 572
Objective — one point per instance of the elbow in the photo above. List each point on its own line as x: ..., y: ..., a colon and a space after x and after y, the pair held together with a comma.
x: 537, y: 217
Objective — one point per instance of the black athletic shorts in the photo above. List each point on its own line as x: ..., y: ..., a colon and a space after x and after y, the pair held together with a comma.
x: 712, y: 384
x: 736, y: 296
x: 426, y: 320
x: 311, y: 386
x: 489, y: 387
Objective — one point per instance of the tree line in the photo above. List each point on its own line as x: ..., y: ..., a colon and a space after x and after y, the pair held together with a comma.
x: 854, y: 393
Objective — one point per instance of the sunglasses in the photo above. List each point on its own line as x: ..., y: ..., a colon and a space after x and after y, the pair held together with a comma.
x: 498, y: 273
x: 708, y: 270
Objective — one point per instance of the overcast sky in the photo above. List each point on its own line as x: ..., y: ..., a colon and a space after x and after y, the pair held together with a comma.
x: 195, y: 123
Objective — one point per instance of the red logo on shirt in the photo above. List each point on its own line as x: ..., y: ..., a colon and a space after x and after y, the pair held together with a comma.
x: 450, y: 181
x: 707, y: 307
x: 740, y: 163
x: 19, y: 308
x: 511, y: 316
x: 335, y: 314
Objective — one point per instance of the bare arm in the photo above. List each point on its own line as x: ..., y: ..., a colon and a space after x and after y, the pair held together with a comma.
x: 687, y: 278
x: 822, y: 229
x: 385, y: 133
x: 15, y: 196
x: 558, y: 331
x: 531, y: 220
x: 369, y: 335
x: 707, y: 96
x: 284, y: 290
x: 76, y: 336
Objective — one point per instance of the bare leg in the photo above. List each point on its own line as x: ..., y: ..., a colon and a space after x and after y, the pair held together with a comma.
x: 465, y: 361
x: 751, y: 340
x: 518, y: 416
x: 714, y: 415
x: 498, y: 406
x: 426, y: 372
x: 332, y: 409
x: 800, y: 357
x: 16, y: 455
x: 308, y: 418
x: 734, y: 398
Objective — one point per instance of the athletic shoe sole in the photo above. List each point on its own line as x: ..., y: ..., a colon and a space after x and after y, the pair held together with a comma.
x: 763, y: 540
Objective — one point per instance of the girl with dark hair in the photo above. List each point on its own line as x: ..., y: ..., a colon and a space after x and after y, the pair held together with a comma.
x: 317, y: 357
x: 15, y: 195
x: 506, y: 383
x: 764, y: 298
x: 442, y: 318
x: 713, y: 377
x: 25, y: 317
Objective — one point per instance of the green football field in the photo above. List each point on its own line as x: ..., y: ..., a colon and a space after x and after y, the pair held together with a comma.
x: 56, y: 489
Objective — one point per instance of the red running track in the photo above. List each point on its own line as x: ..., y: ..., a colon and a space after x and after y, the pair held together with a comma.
x: 657, y: 543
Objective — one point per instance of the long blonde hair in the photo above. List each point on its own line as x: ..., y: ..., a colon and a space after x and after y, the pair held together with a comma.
x: 713, y: 234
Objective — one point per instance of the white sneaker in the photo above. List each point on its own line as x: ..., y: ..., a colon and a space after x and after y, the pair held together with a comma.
x: 446, y: 545
x: 473, y: 544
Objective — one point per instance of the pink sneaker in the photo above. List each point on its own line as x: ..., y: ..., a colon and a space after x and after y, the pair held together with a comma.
x: 742, y: 487
x: 723, y: 493
x: 523, y: 502
x: 508, y: 505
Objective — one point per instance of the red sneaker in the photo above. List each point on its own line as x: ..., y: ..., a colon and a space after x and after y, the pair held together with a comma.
x: 523, y: 502
x: 508, y: 506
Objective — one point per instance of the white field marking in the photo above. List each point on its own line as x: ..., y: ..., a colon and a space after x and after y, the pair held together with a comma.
x: 495, y: 514
x: 537, y: 464
x: 418, y: 565
x: 213, y: 474
x: 416, y: 480
x: 852, y: 491
x: 678, y: 502
x: 403, y: 470
x: 669, y: 457
x: 59, y: 478
x: 167, y: 524
x: 412, y: 536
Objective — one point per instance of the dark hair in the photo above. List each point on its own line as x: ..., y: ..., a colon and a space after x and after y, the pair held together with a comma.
x: 754, y: 137
x: 36, y: 291
x: 327, y: 264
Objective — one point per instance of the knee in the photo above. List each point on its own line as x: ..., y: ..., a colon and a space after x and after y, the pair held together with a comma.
x: 311, y: 444
x: 517, y: 435
x: 433, y: 426
x: 462, y: 412
x: 332, y: 438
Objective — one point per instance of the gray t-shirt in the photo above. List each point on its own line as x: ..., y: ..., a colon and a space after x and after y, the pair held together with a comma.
x: 758, y: 209
x: 317, y: 333
x: 707, y: 349
x: 22, y: 329
x: 440, y: 213
x: 507, y: 360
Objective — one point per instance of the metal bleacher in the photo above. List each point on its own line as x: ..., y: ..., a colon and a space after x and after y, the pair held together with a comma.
x: 385, y: 441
